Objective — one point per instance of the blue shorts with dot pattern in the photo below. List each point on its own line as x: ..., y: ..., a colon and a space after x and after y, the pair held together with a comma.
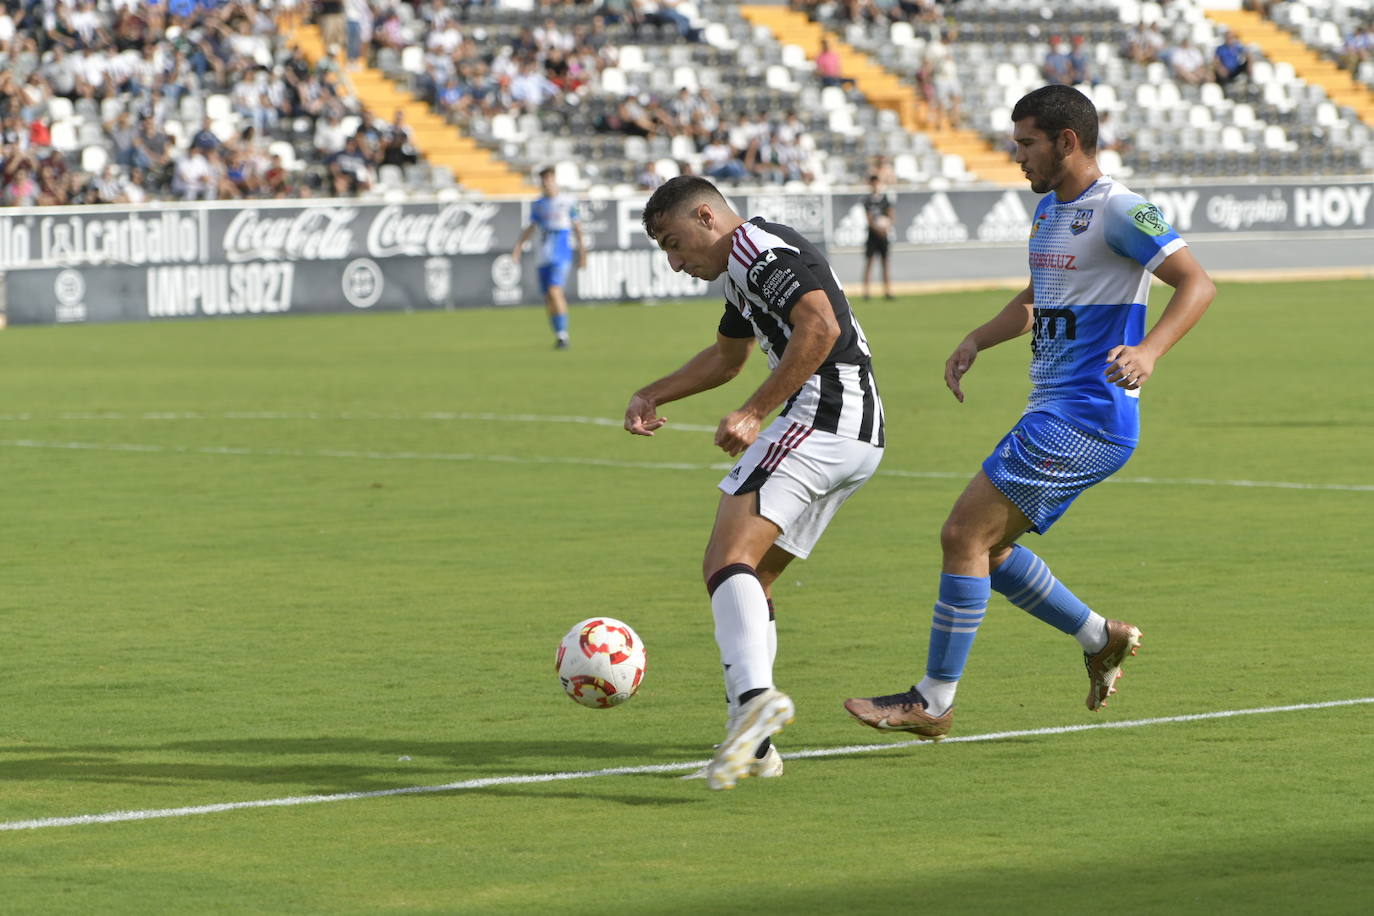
x: 1045, y: 462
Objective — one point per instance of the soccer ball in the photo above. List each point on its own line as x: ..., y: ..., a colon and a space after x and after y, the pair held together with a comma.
x: 600, y: 662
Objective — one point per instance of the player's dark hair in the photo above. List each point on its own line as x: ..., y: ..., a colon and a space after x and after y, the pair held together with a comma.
x: 547, y: 170
x: 684, y: 190
x: 1058, y: 108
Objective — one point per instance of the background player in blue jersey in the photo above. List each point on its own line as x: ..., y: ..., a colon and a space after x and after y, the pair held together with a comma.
x: 1093, y: 245
x: 555, y: 215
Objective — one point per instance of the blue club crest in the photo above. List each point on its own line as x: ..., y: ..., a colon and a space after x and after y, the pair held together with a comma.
x: 1081, y: 219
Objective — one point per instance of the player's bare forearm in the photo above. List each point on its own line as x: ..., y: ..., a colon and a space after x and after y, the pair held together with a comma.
x: 1193, y: 293
x: 520, y: 242
x: 814, y: 332
x: 1130, y: 366
x: 711, y: 368
x: 708, y: 369
x: 1013, y: 321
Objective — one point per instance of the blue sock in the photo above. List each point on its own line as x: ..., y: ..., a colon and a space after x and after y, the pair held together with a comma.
x: 963, y: 602
x: 1028, y: 583
x: 559, y: 323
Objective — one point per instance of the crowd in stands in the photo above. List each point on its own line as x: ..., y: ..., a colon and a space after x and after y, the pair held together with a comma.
x: 134, y: 80
x: 113, y: 102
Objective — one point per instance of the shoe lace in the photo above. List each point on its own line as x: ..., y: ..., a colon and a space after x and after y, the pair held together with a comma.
x: 907, y: 699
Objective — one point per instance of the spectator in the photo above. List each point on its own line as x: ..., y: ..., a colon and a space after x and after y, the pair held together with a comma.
x: 205, y: 138
x: 1107, y: 136
x: 1080, y: 65
x: 1231, y: 60
x: 1057, y: 68
x: 20, y: 188
x: 649, y: 177
x: 939, y: 81
x: 348, y: 170
x: 192, y: 177
x: 828, y: 67
x: 1143, y: 44
x: 665, y: 13
x: 1188, y: 64
x: 121, y: 132
x: 1357, y: 48
x: 333, y: 28
x: 330, y: 134
x: 152, y: 151
x: 720, y: 160
x: 358, y: 21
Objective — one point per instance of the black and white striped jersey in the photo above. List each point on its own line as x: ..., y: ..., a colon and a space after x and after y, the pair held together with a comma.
x: 771, y: 267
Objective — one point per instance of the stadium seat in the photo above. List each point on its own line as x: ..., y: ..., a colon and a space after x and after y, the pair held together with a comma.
x: 685, y: 78
x: 60, y: 109
x: 613, y: 82
x: 286, y: 151
x: 94, y: 159
x: 218, y: 107
x: 413, y: 59
x: 64, y: 136
x: 794, y: 57
x: 631, y: 58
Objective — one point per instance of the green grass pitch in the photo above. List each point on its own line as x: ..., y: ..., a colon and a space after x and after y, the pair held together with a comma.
x: 274, y: 558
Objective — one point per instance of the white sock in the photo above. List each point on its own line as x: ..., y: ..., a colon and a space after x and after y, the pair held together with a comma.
x: 742, y: 629
x: 1092, y: 636
x: 939, y: 694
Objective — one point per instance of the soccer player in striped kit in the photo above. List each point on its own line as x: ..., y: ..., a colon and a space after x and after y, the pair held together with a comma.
x: 1093, y: 245
x: 790, y: 476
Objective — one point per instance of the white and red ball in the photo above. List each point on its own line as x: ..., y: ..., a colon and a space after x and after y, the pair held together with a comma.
x: 600, y: 662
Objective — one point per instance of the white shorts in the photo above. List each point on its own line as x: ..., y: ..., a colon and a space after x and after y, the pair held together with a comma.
x: 802, y: 476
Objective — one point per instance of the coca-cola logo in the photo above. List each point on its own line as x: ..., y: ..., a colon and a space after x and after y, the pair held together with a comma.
x: 458, y: 228
x: 314, y: 234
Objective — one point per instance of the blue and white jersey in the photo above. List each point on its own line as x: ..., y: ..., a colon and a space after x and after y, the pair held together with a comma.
x: 555, y: 217
x: 1090, y: 264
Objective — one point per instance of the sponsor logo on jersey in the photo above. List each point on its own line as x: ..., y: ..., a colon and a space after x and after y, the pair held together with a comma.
x: 1149, y: 220
x: 936, y: 223
x: 1006, y: 221
x: 1035, y: 226
x: 1081, y: 220
x: 754, y: 272
x: 1053, y: 260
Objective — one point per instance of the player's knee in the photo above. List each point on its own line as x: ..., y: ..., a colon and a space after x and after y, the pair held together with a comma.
x: 715, y: 575
x: 959, y: 537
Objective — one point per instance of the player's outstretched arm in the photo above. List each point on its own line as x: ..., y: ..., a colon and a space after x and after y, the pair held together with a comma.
x: 1128, y: 367
x: 1013, y: 321
x: 520, y: 243
x: 710, y: 368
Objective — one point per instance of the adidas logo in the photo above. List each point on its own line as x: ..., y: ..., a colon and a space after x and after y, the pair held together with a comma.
x: 852, y: 229
x: 937, y: 222
x: 1007, y: 221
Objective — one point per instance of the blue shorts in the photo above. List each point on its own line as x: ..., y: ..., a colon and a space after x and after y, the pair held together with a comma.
x: 1045, y: 462
x: 554, y: 273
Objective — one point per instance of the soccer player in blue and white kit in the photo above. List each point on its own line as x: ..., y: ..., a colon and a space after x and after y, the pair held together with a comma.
x: 555, y: 215
x: 1093, y: 246
x: 790, y: 476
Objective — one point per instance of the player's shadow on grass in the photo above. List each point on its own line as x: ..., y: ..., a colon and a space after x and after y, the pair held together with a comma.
x: 326, y: 764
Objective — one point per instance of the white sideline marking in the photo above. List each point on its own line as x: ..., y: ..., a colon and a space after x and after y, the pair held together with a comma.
x: 292, y: 801
x: 612, y: 463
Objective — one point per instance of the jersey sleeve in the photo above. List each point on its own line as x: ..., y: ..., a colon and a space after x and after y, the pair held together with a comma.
x: 732, y: 322
x: 1136, y: 229
x: 779, y: 277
